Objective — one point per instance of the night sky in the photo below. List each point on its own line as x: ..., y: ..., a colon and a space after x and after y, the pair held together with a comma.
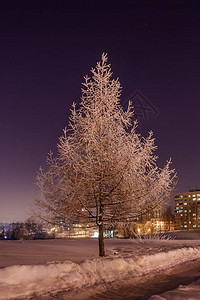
x: 44, y: 54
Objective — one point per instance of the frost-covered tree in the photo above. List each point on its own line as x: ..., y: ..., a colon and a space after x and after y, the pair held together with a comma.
x: 104, y: 171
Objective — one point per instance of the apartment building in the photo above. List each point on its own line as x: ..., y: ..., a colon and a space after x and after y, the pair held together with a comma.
x: 187, y: 210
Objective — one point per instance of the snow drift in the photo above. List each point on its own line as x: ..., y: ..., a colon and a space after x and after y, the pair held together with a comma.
x: 191, y: 291
x: 23, y: 281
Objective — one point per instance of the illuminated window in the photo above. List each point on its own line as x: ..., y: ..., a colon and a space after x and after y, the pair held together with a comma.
x: 181, y: 215
x: 185, y: 203
x: 181, y: 196
x: 194, y: 214
x: 189, y: 195
x: 185, y: 225
x: 185, y: 210
x: 194, y: 199
x: 194, y: 225
x: 193, y: 195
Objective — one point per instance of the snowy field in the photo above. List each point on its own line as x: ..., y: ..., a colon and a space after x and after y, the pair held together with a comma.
x: 40, y: 267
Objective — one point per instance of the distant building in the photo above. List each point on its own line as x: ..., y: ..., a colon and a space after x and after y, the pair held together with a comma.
x: 187, y: 210
x: 153, y: 223
x: 159, y: 220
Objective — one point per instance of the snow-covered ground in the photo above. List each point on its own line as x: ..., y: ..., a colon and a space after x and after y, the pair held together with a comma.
x: 188, y: 292
x: 39, y: 267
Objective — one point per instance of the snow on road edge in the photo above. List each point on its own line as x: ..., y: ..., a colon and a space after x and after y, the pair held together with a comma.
x: 23, y: 281
x: 190, y: 291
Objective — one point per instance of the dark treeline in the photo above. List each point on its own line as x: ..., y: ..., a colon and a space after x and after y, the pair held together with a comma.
x: 27, y: 230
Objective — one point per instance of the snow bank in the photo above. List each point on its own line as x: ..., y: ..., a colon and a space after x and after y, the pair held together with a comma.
x: 23, y: 281
x: 191, y: 291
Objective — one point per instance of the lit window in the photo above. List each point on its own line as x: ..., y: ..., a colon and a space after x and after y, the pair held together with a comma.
x: 185, y: 210
x: 194, y: 199
x: 181, y: 196
x: 181, y: 215
x: 177, y: 207
x: 185, y: 203
x: 189, y: 195
x: 185, y: 225
x: 198, y: 195
x: 194, y: 214
x: 193, y: 195
x: 194, y: 225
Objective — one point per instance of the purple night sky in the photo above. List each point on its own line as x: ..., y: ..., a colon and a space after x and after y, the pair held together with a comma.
x: 44, y: 54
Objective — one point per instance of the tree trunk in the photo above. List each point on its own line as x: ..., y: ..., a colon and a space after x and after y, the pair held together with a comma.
x: 101, y: 240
